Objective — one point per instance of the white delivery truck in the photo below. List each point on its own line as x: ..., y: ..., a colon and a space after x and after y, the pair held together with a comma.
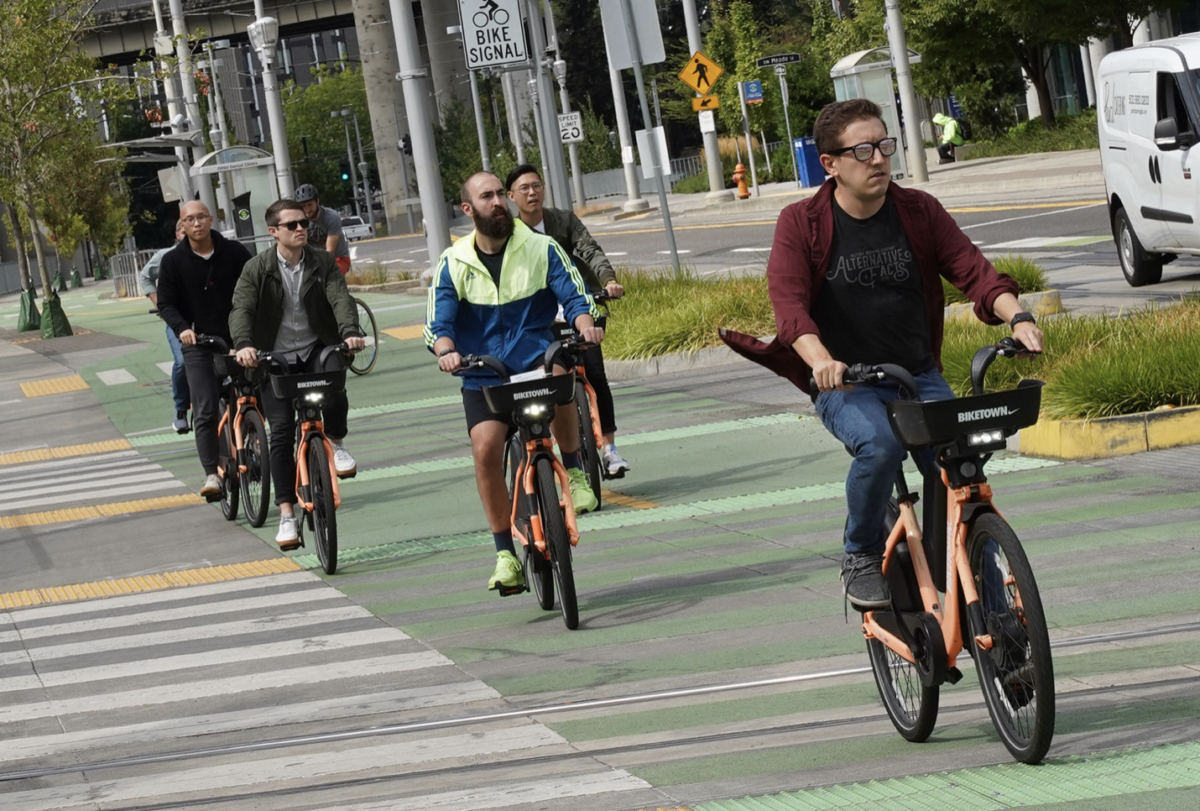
x: 1149, y: 146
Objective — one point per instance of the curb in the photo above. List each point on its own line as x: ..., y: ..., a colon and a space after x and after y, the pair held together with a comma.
x: 388, y: 287
x: 1113, y: 436
x: 711, y: 357
x: 1047, y: 302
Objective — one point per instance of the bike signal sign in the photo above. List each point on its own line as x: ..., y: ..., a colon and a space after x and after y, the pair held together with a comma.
x: 492, y: 33
x: 700, y: 73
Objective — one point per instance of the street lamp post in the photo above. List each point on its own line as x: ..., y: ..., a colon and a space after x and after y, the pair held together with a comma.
x: 264, y: 36
x: 350, y: 158
x: 188, y: 85
x: 363, y: 169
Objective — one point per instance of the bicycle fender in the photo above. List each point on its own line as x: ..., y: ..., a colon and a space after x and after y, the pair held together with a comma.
x: 973, y: 510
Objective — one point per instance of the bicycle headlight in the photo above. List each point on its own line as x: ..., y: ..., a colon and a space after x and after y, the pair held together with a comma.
x: 986, y: 438
x: 314, y: 397
x: 534, y: 410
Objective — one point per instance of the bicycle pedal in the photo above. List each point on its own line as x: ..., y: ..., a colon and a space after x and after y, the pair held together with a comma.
x: 211, y: 499
x: 349, y: 475
x: 953, y: 675
x: 508, y: 591
x: 604, y: 474
x: 289, y: 547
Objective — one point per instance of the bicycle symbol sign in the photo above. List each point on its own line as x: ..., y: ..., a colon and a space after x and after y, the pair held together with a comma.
x: 492, y: 32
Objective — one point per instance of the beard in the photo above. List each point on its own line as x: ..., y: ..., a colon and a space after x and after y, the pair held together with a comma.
x: 497, y: 226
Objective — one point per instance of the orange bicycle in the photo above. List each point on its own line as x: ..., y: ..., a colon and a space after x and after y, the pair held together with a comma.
x: 991, y: 605
x: 243, y: 458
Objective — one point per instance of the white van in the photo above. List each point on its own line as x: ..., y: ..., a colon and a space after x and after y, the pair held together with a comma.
x: 1149, y: 132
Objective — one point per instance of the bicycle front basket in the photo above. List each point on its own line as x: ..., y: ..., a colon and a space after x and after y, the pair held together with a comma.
x: 289, y: 387
x: 508, y: 397
x: 943, y: 422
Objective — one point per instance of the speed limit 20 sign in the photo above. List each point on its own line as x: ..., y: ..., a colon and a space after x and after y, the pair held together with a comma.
x: 570, y: 127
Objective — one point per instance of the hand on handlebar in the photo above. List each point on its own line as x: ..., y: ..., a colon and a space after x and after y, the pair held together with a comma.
x: 592, y: 335
x: 1029, y: 336
x: 450, y: 362
x: 355, y: 342
x: 247, y: 356
x: 188, y: 337
x: 614, y: 290
x: 828, y: 375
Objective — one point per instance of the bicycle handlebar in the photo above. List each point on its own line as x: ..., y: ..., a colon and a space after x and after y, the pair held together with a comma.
x: 1005, y: 347
x: 571, y: 346
x: 277, y: 363
x: 469, y: 362
x: 214, y: 343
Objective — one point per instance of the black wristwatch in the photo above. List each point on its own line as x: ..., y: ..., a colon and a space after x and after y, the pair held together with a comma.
x: 1021, y: 318
x: 446, y: 352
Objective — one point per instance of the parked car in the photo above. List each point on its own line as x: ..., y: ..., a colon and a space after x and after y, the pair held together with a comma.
x: 354, y: 229
x: 1148, y: 129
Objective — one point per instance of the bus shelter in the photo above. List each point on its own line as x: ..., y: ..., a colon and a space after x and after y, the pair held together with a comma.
x: 249, y: 174
x: 868, y: 75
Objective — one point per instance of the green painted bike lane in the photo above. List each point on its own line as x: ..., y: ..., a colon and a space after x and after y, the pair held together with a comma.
x: 733, y: 576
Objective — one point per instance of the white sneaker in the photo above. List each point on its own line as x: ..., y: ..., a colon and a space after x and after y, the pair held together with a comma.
x: 343, y: 462
x: 212, y: 486
x: 288, y: 536
x: 614, y: 464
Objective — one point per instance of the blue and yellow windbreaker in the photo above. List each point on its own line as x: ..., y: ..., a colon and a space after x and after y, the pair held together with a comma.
x: 513, y: 322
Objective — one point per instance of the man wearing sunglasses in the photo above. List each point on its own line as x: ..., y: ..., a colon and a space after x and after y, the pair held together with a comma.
x: 294, y: 301
x: 855, y: 277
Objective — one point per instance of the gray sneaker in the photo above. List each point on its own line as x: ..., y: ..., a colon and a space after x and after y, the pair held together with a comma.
x: 614, y: 466
x: 211, y: 487
x: 863, y: 582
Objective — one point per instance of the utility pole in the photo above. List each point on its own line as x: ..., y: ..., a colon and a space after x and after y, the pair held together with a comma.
x: 163, y: 48
x: 264, y: 36
x: 349, y: 158
x: 898, y: 45
x: 218, y: 134
x: 633, y: 188
x: 746, y: 128
x: 552, y: 155
x: 560, y: 73
x: 184, y: 54
x: 480, y: 128
x: 635, y: 51
x: 365, y: 172
x: 425, y: 158
x: 514, y: 118
x: 717, y: 193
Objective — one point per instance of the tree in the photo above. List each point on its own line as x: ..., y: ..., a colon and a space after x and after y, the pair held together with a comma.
x: 317, y: 141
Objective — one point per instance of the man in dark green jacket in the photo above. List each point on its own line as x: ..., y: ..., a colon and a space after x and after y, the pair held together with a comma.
x: 525, y: 188
x: 293, y: 301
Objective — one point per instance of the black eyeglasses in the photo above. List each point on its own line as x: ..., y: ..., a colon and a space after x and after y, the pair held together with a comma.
x: 863, y: 152
x: 293, y: 225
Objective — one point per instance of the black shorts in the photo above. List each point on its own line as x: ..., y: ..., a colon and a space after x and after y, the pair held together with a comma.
x: 476, y: 407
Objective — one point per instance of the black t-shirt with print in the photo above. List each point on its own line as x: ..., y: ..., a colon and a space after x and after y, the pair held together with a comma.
x: 492, y: 261
x: 871, y: 308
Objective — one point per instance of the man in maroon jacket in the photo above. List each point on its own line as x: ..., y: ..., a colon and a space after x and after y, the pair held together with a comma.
x: 854, y: 278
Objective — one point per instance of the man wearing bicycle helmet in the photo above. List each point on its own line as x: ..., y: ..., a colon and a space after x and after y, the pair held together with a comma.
x: 293, y: 301
x: 855, y: 276
x: 324, y: 226
x: 525, y: 188
x: 496, y: 292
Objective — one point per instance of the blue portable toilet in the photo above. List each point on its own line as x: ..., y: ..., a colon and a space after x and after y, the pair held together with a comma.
x: 808, y: 161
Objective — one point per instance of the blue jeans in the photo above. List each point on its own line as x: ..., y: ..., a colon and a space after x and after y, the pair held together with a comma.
x: 859, y: 419
x: 179, y: 384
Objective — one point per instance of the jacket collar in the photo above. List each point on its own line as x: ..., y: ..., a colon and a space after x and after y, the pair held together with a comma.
x: 464, y: 249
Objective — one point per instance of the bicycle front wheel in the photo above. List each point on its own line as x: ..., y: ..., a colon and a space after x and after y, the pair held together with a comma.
x: 538, y: 573
x: 911, y: 705
x: 557, y: 541
x: 256, y: 481
x: 589, y: 453
x: 229, y: 482
x: 1017, y: 674
x: 324, y: 514
x: 363, y: 361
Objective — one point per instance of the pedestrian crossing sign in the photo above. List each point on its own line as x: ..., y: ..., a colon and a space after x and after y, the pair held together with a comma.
x: 702, y: 103
x: 700, y: 74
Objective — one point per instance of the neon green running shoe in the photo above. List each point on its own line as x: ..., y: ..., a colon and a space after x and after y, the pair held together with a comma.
x: 581, y: 491
x: 508, y: 572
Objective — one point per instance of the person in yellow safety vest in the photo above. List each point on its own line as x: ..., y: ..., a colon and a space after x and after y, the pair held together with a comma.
x: 951, y: 137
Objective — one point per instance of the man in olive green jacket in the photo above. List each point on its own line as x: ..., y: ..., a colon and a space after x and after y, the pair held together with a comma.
x: 525, y: 188
x: 293, y: 301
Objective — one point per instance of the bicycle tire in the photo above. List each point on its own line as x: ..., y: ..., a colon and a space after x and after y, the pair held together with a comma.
x: 554, y: 526
x: 256, y: 481
x: 589, y: 454
x: 538, y: 572
x: 324, y: 515
x: 1017, y: 674
x: 363, y: 361
x: 229, y: 482
x: 911, y: 706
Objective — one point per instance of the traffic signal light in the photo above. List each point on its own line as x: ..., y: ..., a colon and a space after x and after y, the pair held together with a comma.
x: 406, y: 144
x: 344, y: 168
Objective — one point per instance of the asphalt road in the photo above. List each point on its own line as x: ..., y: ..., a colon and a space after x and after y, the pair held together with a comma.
x: 230, y: 676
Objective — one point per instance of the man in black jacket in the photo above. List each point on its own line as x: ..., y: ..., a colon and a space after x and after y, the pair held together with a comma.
x: 293, y: 301
x: 525, y: 188
x: 195, y: 294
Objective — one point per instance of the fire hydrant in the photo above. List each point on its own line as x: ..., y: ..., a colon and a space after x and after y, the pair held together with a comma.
x: 739, y: 177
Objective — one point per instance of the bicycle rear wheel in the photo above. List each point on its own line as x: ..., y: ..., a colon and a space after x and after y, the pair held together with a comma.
x: 911, y: 705
x: 324, y: 514
x: 589, y: 454
x: 363, y: 361
x: 555, y: 528
x: 229, y: 482
x: 1017, y: 674
x: 256, y: 481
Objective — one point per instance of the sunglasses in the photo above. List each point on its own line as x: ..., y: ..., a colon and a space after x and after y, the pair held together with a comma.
x: 294, y: 224
x: 863, y: 152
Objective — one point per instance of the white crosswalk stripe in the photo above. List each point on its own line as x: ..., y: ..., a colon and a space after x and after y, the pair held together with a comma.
x: 266, y: 659
x: 83, y: 480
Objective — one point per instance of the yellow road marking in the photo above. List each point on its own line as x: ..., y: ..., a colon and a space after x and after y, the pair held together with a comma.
x: 53, y: 385
x: 63, y: 452
x: 152, y: 582
x: 97, y: 511
x: 1029, y: 205
x: 406, y: 333
x: 623, y: 500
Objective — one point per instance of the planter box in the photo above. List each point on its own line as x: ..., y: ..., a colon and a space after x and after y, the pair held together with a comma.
x: 388, y: 287
x: 1047, y: 302
x: 1112, y: 436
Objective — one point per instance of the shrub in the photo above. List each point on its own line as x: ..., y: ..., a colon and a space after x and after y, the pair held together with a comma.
x: 1031, y: 278
x: 1071, y: 132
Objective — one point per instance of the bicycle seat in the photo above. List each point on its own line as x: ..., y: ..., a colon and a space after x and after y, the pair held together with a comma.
x: 964, y: 426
